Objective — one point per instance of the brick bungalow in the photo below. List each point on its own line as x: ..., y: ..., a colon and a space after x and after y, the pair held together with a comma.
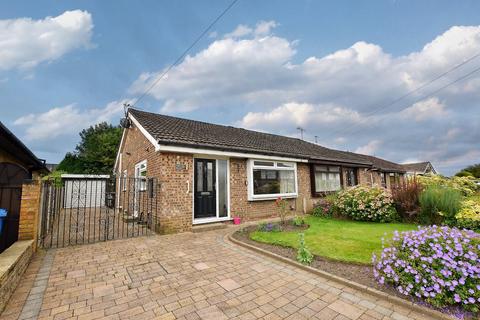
x: 208, y: 173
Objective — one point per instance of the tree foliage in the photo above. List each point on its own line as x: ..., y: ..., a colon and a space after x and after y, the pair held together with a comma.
x: 96, y: 151
x: 473, y: 170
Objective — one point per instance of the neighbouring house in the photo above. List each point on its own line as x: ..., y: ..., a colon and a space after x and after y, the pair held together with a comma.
x: 208, y: 172
x: 384, y: 173
x: 17, y: 164
x: 419, y: 168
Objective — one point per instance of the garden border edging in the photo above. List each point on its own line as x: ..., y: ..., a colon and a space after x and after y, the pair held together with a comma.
x: 410, y: 305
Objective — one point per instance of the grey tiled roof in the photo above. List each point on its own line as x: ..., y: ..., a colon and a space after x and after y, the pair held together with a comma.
x: 169, y: 130
x: 383, y: 164
x: 416, y: 167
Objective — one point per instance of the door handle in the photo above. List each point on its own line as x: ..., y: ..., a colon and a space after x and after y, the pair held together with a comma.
x: 205, y: 193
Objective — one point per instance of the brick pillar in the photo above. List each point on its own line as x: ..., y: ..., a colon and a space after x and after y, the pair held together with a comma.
x: 29, y: 210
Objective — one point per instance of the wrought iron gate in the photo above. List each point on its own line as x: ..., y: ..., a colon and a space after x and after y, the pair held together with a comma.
x: 92, y: 209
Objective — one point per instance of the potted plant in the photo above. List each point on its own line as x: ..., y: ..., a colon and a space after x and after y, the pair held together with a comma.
x: 237, y: 219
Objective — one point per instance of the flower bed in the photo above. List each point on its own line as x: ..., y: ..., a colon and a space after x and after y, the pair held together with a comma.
x: 365, y: 204
x: 439, y: 265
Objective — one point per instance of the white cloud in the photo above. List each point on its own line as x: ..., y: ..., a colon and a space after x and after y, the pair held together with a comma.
x: 333, y: 95
x: 240, y: 31
x: 24, y: 42
x: 425, y: 109
x: 67, y: 120
x: 370, y: 148
x: 264, y: 28
x: 299, y: 114
x: 220, y: 72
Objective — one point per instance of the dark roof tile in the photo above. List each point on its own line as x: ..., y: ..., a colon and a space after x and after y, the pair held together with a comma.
x: 197, y: 134
x: 416, y: 167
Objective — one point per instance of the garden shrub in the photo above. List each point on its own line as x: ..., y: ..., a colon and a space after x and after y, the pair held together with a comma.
x: 438, y: 264
x: 406, y: 197
x: 366, y: 204
x: 304, y: 256
x: 439, y: 204
x: 469, y: 215
x: 466, y: 185
x: 298, y: 221
x: 324, y: 207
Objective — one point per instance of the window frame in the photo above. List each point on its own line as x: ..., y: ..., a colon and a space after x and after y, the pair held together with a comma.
x: 250, y: 183
x: 124, y: 180
x: 313, y: 190
x: 141, y: 180
x: 355, y: 174
x: 314, y: 178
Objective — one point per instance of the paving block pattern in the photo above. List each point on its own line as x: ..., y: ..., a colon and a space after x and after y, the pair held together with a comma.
x: 195, y: 276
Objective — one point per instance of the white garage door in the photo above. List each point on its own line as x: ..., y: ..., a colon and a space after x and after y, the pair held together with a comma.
x: 84, y: 193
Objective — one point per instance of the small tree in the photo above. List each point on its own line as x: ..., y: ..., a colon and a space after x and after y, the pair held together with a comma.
x: 282, y: 209
x: 473, y: 170
x: 96, y: 151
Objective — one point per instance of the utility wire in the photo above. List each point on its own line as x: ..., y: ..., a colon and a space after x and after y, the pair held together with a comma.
x: 413, y: 91
x: 431, y: 93
x: 180, y: 58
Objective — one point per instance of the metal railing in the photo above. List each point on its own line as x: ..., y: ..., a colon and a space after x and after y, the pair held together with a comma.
x: 88, y: 210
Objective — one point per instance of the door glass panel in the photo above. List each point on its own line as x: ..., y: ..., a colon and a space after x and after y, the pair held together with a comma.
x: 222, y: 188
x: 199, y: 176
x: 209, y: 176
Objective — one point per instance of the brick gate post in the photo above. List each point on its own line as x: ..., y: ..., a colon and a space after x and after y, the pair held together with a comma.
x: 29, y: 210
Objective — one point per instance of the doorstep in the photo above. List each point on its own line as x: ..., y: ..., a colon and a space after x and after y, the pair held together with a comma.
x: 208, y: 227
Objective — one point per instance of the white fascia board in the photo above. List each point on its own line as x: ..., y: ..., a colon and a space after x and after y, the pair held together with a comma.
x: 145, y: 132
x: 117, y: 158
x: 168, y: 148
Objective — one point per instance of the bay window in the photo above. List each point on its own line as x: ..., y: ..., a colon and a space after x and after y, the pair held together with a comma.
x: 327, y: 178
x: 271, y: 179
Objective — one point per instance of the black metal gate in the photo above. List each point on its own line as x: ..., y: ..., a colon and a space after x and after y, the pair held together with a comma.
x: 88, y: 209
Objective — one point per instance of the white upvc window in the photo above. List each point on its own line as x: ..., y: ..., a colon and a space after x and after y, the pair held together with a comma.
x: 141, y: 175
x: 124, y: 180
x: 271, y: 179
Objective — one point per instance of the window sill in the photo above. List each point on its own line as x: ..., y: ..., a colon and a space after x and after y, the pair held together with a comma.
x: 272, y: 197
x: 323, y: 193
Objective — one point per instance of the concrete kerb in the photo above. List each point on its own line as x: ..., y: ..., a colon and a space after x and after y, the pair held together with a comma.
x: 354, y: 285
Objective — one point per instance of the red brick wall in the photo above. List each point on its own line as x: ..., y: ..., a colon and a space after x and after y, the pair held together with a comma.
x: 173, y: 203
x: 29, y: 210
x: 250, y: 210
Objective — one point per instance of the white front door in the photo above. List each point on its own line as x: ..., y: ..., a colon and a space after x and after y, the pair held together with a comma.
x: 211, y: 194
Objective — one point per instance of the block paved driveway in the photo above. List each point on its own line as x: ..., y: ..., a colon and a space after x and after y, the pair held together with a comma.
x: 183, y: 276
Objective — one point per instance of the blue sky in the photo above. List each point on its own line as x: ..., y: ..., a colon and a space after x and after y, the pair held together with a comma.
x: 323, y: 65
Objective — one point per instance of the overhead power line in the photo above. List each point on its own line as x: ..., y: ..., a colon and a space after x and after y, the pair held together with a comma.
x: 411, y: 92
x: 180, y: 58
x: 431, y: 93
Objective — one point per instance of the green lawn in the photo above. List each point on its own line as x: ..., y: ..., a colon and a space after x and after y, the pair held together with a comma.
x: 337, y: 239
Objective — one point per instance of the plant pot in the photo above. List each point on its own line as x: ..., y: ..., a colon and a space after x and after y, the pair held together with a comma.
x: 236, y: 220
